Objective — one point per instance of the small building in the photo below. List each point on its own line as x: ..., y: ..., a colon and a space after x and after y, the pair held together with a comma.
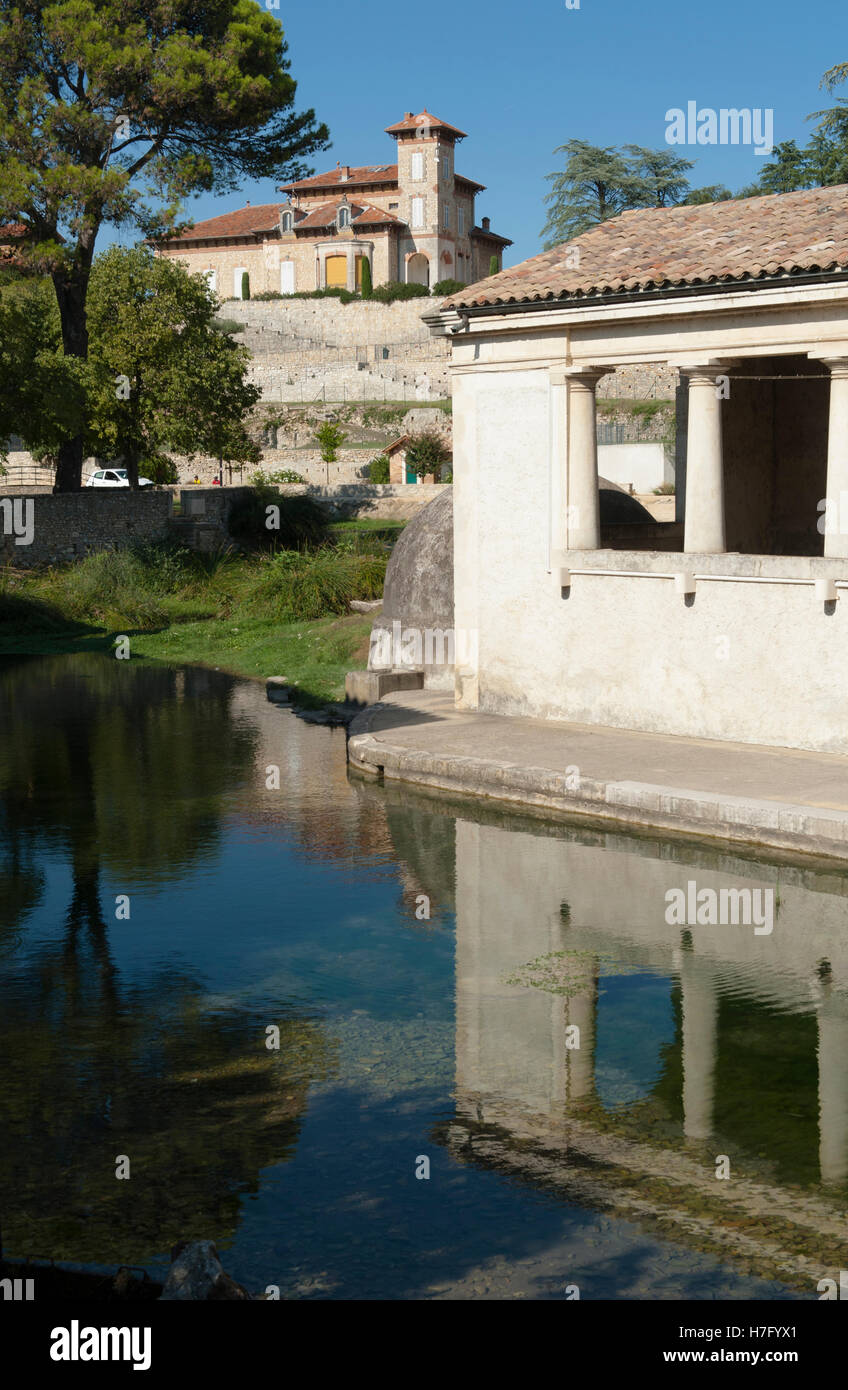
x: 412, y: 220
x: 399, y: 470
x: 735, y: 624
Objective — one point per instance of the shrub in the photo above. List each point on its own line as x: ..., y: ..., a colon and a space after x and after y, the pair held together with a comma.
x: 378, y: 469
x: 228, y: 325
x: 268, y: 294
x: 302, y: 520
x: 245, y: 285
x: 301, y: 587
x: 367, y: 287
x: 448, y: 287
x: 394, y: 289
x: 426, y: 453
x: 493, y: 265
x: 285, y: 475
x: 329, y: 438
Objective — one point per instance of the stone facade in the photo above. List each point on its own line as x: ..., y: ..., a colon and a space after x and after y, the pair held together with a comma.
x: 413, y: 221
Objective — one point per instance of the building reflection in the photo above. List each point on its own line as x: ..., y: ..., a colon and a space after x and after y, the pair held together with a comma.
x: 558, y: 930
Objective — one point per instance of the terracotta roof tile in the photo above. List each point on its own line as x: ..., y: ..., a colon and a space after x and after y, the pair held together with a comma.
x: 364, y: 174
x: 652, y: 248
x: 361, y: 215
x: 424, y: 118
x: 245, y: 222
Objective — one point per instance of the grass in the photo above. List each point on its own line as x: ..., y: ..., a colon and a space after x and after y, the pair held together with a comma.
x: 281, y: 614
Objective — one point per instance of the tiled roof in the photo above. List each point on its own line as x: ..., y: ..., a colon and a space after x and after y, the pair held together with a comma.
x: 361, y: 215
x: 484, y: 234
x: 743, y: 239
x: 12, y: 229
x: 364, y: 174
x: 245, y: 222
x: 424, y: 118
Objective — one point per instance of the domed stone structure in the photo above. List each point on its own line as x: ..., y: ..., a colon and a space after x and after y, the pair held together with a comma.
x: 415, y: 631
x: 417, y: 613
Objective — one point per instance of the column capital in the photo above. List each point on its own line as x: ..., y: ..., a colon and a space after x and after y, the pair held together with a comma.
x: 706, y: 370
x: 837, y: 366
x: 584, y: 378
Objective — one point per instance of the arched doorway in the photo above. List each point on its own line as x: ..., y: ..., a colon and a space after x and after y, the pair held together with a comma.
x: 418, y: 270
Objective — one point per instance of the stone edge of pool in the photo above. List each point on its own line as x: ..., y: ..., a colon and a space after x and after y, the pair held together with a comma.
x: 396, y: 740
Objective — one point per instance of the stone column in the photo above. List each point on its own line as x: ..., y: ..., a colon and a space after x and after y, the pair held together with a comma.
x: 833, y: 1091
x: 700, y: 1046
x: 584, y: 526
x: 704, y: 528
x: 835, y: 542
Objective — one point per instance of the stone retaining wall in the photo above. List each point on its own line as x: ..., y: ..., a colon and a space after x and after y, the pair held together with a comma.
x: 54, y: 528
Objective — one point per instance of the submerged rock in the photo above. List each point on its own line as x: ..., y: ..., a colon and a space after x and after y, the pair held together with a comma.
x: 197, y: 1275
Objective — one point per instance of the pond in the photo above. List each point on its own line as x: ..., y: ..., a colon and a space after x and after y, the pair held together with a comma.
x: 379, y: 1044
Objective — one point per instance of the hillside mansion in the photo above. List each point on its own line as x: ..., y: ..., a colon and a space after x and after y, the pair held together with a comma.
x: 413, y: 221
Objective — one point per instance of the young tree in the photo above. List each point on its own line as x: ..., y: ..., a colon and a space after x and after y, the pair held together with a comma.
x: 426, y: 453
x: 367, y: 286
x: 116, y: 110
x: 493, y: 265
x: 160, y: 375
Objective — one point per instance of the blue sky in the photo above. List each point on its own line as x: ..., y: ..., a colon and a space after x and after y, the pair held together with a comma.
x: 522, y: 79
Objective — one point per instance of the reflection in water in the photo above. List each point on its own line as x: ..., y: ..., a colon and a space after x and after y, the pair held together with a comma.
x: 558, y: 932
x: 551, y: 1163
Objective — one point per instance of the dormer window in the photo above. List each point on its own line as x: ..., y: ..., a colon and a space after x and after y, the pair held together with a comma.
x: 287, y: 222
x: 343, y: 219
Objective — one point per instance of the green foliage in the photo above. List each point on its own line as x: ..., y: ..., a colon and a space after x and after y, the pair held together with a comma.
x: 367, y: 288
x: 302, y: 520
x: 448, y: 287
x: 395, y: 289
x: 378, y: 469
x: 159, y: 375
x: 284, y: 475
x: 269, y: 294
x: 493, y: 265
x: 600, y: 182
x: 331, y: 292
x: 115, y: 113
x: 229, y: 326
x: 329, y: 438
x: 245, y: 285
x: 711, y: 193
x: 426, y: 453
x: 305, y: 586
x: 384, y: 414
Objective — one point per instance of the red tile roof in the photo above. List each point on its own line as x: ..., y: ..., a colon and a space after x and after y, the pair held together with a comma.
x: 364, y: 174
x: 360, y: 215
x: 244, y: 223
x: 12, y: 229
x: 743, y: 239
x: 424, y: 118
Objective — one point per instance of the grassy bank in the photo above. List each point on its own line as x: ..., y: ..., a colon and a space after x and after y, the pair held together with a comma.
x: 283, y: 614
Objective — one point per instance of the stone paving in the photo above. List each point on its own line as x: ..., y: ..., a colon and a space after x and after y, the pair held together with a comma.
x: 778, y: 797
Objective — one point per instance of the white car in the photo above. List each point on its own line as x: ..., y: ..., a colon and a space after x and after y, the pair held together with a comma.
x: 115, y: 477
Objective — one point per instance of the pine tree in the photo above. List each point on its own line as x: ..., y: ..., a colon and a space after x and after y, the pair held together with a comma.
x: 367, y: 287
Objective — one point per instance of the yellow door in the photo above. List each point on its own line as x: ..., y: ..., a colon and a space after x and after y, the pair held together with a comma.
x: 336, y: 272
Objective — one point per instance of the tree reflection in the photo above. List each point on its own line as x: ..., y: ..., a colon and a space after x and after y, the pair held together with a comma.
x: 124, y: 769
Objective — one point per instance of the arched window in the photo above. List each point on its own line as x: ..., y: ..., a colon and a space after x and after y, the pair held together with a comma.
x: 288, y: 221
x: 344, y: 217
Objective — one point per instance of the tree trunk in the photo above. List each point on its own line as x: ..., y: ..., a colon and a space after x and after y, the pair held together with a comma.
x: 71, y: 285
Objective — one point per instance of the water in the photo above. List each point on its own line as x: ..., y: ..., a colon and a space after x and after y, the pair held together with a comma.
x: 162, y: 907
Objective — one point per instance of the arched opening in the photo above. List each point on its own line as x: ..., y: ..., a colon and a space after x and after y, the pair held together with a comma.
x: 418, y: 270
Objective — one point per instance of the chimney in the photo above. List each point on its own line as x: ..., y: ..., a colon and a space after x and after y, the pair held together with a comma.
x: 407, y: 115
x: 487, y: 222
x: 345, y: 173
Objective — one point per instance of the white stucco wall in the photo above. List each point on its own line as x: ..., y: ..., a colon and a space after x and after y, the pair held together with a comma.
x: 753, y: 662
x: 644, y: 465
